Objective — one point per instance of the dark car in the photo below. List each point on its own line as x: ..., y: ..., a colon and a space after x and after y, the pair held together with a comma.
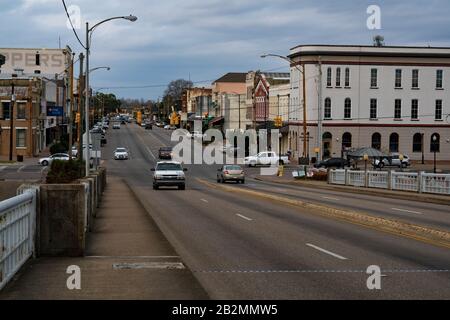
x: 148, y: 126
x: 332, y: 163
x: 165, y: 153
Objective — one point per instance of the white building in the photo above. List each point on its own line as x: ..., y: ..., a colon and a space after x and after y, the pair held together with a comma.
x: 392, y: 98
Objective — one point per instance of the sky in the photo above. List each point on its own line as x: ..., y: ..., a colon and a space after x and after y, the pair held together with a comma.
x: 202, y: 40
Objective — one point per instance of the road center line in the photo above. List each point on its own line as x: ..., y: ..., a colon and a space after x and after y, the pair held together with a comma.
x: 326, y: 251
x: 407, y: 211
x: 244, y: 217
x: 205, y: 201
x: 331, y: 198
x: 149, y: 151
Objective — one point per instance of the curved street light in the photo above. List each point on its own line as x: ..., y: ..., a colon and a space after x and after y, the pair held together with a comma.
x: 89, y: 32
x: 98, y: 68
x: 302, y: 71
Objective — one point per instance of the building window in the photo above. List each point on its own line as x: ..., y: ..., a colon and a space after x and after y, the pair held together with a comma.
x: 346, y: 140
x: 348, y: 108
x: 38, y: 59
x: 438, y: 115
x: 439, y: 79
x: 415, y: 109
x: 417, y: 142
x: 347, y: 77
x: 435, y: 145
x: 415, y: 79
x: 394, y: 142
x: 398, y: 109
x: 327, y: 110
x: 21, y: 111
x: 21, y: 138
x: 374, y: 78
x: 376, y: 141
x: 398, y: 78
x: 338, y: 77
x: 373, y: 109
x: 329, y: 77
x: 5, y: 105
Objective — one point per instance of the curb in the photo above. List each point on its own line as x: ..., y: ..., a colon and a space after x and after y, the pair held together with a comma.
x: 424, y: 234
x: 364, y: 191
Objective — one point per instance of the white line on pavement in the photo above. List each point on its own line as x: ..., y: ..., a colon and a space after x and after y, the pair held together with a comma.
x: 205, y: 201
x: 326, y: 251
x: 331, y: 198
x: 149, y: 151
x: 244, y: 217
x: 407, y: 211
x: 21, y: 168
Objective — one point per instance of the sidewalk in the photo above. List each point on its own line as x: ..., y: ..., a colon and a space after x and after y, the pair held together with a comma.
x: 4, y: 160
x: 127, y: 258
x: 287, y: 179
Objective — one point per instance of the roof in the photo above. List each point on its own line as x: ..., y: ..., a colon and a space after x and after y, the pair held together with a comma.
x: 277, y: 75
x: 236, y: 77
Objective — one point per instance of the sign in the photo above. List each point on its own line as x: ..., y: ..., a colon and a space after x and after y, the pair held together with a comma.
x: 317, y: 150
x: 55, y: 111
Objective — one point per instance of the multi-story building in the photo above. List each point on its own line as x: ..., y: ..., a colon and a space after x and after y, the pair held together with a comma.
x: 395, y: 99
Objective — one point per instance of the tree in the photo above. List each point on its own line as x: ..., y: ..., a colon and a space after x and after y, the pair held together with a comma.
x: 175, y: 89
x: 107, y: 101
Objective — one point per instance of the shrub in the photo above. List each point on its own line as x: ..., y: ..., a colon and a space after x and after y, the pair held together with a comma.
x: 59, y: 148
x: 62, y: 172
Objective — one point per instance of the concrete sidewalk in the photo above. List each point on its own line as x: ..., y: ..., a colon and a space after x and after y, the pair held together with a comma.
x: 127, y: 258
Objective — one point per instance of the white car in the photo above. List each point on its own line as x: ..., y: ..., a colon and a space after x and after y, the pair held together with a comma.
x: 169, y: 174
x: 75, y: 150
x: 121, y: 154
x: 116, y: 126
x: 57, y: 156
x: 266, y: 159
x: 392, y: 161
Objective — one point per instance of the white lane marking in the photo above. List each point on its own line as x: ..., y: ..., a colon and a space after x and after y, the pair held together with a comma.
x: 407, y: 211
x: 132, y: 257
x: 21, y: 168
x: 326, y: 251
x: 148, y: 150
x: 205, y: 201
x: 331, y: 198
x: 2, y: 168
x: 244, y: 217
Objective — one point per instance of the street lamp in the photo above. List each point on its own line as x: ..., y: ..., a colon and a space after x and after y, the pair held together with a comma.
x: 98, y: 68
x: 305, y: 129
x: 89, y: 32
x: 434, y: 138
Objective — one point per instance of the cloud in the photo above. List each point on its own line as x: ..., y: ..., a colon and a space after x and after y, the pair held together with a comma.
x: 205, y: 39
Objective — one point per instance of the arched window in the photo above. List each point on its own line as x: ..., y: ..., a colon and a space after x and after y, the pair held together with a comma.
x: 376, y: 141
x: 348, y: 108
x: 327, y: 136
x: 347, y: 140
x: 417, y: 142
x: 329, y: 77
x: 435, y: 145
x: 394, y: 142
x: 327, y: 109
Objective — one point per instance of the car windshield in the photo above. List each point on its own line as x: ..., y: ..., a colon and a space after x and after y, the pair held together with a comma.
x: 232, y: 168
x: 166, y: 149
x: 121, y: 150
x: 169, y: 167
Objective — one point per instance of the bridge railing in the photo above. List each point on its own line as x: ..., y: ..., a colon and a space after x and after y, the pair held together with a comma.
x: 17, y: 232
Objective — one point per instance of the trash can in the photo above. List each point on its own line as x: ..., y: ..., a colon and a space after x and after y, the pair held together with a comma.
x: 19, y: 158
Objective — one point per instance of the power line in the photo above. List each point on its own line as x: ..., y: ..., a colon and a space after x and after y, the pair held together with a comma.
x: 146, y: 86
x: 73, y: 28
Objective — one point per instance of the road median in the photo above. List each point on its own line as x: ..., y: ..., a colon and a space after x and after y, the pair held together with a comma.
x: 424, y: 234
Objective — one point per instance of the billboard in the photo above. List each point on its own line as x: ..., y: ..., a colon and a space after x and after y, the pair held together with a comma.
x: 55, y: 111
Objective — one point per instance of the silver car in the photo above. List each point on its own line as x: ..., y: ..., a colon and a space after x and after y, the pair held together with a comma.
x: 231, y: 173
x: 58, y: 156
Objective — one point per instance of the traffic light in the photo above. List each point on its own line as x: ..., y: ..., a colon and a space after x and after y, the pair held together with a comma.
x: 78, y: 118
x: 278, y: 122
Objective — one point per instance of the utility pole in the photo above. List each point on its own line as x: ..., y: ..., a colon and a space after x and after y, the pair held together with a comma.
x: 11, y: 120
x: 305, y: 128
x: 70, y: 127
x: 319, y: 118
x: 80, y: 108
x: 87, y: 98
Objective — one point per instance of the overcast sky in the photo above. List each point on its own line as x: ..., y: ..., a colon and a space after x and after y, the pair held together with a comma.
x: 205, y: 39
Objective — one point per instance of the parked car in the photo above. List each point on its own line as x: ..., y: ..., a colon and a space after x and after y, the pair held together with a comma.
x: 57, y: 156
x: 121, y: 154
x: 231, y: 173
x: 165, y: 153
x: 266, y: 158
x: 167, y: 127
x: 148, y: 126
x: 392, y: 161
x: 169, y: 174
x: 333, y: 163
x: 116, y: 126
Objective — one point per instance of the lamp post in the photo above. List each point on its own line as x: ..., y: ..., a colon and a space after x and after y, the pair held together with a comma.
x: 305, y: 127
x: 89, y: 32
x: 434, y: 138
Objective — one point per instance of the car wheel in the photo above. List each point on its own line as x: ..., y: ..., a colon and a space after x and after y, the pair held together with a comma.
x: 281, y: 163
x: 155, y: 187
x: 243, y: 181
x: 183, y: 187
x: 381, y: 165
x: 253, y: 164
x: 45, y: 163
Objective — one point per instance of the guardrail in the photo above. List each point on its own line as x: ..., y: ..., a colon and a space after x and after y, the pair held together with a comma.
x: 17, y: 230
x: 401, y: 181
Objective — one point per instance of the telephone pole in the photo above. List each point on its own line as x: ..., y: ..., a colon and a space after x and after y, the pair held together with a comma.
x: 11, y: 120
x: 70, y: 127
x: 80, y: 108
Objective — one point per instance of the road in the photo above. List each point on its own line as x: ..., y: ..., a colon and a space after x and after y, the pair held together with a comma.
x: 240, y: 247
x: 22, y: 172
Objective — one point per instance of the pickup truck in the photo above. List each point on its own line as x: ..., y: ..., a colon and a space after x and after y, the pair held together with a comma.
x: 266, y: 159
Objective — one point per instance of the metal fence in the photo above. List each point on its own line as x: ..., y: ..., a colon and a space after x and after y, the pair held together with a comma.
x: 17, y: 230
x: 402, y: 181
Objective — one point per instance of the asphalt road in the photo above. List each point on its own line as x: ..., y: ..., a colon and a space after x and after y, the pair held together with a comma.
x: 241, y: 247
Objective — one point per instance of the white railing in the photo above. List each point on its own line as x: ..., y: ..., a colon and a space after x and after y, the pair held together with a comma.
x: 400, y: 181
x: 378, y: 179
x: 436, y: 183
x: 405, y: 181
x: 17, y: 229
x: 356, y: 178
x: 337, y: 177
